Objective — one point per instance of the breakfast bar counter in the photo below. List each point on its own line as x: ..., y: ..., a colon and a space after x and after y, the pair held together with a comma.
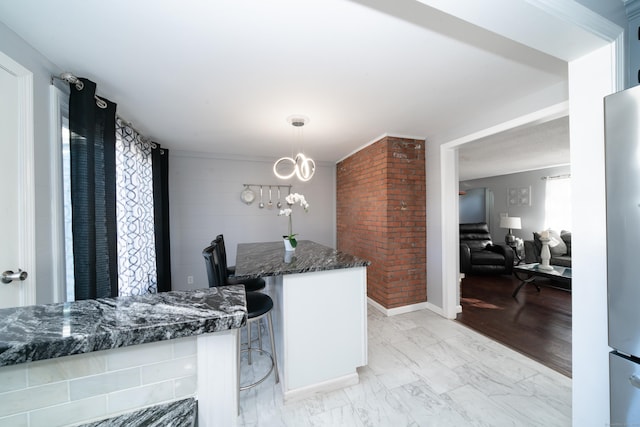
x: 320, y: 312
x: 83, y: 361
x: 38, y: 332
x: 270, y: 259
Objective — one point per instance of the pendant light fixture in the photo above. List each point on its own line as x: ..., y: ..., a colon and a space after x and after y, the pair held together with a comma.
x: 301, y: 166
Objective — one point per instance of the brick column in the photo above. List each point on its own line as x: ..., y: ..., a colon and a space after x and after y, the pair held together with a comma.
x: 381, y: 216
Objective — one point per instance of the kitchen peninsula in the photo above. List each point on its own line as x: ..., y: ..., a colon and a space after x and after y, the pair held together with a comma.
x: 83, y: 361
x: 320, y: 312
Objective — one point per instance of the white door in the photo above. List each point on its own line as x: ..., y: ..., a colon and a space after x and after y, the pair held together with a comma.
x: 16, y: 183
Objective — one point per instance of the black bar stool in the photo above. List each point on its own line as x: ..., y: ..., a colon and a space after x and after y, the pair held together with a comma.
x: 231, y: 269
x: 217, y: 275
x: 259, y: 305
x: 251, y: 285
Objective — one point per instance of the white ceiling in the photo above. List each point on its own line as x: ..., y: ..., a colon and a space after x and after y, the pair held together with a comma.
x: 222, y: 76
x: 517, y: 150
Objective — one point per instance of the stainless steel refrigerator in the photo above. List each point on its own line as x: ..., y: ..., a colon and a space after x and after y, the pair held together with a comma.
x: 622, y: 157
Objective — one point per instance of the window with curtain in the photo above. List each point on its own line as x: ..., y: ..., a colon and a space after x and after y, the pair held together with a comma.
x: 66, y: 200
x: 93, y: 187
x: 116, y: 203
x: 558, y: 203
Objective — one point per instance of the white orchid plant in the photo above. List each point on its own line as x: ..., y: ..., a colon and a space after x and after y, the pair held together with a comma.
x: 291, y: 200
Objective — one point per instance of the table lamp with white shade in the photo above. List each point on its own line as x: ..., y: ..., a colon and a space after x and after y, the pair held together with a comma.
x: 512, y: 223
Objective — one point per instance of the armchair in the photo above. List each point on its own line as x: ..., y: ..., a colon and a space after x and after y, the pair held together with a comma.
x: 478, y: 253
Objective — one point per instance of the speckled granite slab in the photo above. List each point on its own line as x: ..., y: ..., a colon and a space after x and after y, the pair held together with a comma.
x: 40, y: 332
x: 268, y: 259
x: 181, y: 413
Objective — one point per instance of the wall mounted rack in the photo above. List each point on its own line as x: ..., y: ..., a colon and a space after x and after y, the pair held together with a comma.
x: 248, y: 196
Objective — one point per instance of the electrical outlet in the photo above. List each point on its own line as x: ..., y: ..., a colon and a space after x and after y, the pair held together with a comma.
x: 189, y: 280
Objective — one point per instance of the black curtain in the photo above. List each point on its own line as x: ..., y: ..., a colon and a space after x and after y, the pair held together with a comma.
x: 93, y: 192
x: 160, y: 164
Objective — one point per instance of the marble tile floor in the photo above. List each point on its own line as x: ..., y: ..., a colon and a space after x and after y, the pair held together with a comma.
x: 423, y: 370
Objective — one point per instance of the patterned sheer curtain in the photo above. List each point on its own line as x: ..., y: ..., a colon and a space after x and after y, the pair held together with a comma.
x: 137, y: 273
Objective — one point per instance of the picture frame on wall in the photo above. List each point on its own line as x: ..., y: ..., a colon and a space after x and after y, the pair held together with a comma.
x: 519, y: 196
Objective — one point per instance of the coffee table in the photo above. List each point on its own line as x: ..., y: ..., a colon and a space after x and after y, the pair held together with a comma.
x: 530, y: 272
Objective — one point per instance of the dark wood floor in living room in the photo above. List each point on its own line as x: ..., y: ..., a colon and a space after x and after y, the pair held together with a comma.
x: 535, y: 324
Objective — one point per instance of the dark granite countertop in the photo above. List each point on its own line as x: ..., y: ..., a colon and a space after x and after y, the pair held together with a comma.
x: 41, y: 332
x: 268, y: 259
x: 181, y: 413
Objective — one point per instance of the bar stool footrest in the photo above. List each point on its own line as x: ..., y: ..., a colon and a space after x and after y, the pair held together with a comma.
x: 261, y: 380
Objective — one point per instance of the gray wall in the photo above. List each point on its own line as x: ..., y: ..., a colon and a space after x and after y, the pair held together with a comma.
x: 42, y: 69
x: 204, y: 200
x: 532, y: 216
x: 474, y: 205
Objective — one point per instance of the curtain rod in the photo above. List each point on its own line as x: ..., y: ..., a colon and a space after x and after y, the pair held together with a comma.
x: 72, y: 79
x: 564, y: 176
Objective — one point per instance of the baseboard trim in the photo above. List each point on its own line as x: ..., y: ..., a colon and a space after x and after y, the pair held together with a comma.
x: 398, y: 310
x: 323, y: 387
x: 409, y: 308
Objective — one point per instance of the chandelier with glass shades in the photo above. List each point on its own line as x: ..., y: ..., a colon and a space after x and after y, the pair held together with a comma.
x: 301, y: 166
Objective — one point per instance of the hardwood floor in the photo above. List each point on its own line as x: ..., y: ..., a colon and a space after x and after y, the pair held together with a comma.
x: 535, y: 324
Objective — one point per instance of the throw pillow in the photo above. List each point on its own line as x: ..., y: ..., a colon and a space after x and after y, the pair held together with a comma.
x: 566, y: 238
x: 557, y: 247
x: 537, y: 243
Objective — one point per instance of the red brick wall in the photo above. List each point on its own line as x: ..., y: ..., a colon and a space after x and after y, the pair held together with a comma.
x: 381, y: 216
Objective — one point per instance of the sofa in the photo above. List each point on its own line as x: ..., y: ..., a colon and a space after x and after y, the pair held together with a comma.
x: 478, y: 253
x: 559, y: 247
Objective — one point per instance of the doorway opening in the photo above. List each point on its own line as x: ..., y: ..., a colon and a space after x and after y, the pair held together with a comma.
x: 536, y: 325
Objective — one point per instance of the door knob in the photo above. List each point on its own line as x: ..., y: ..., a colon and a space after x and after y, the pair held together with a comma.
x: 9, y: 276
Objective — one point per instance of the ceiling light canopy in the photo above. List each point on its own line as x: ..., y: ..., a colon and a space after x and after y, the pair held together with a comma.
x: 301, y: 166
